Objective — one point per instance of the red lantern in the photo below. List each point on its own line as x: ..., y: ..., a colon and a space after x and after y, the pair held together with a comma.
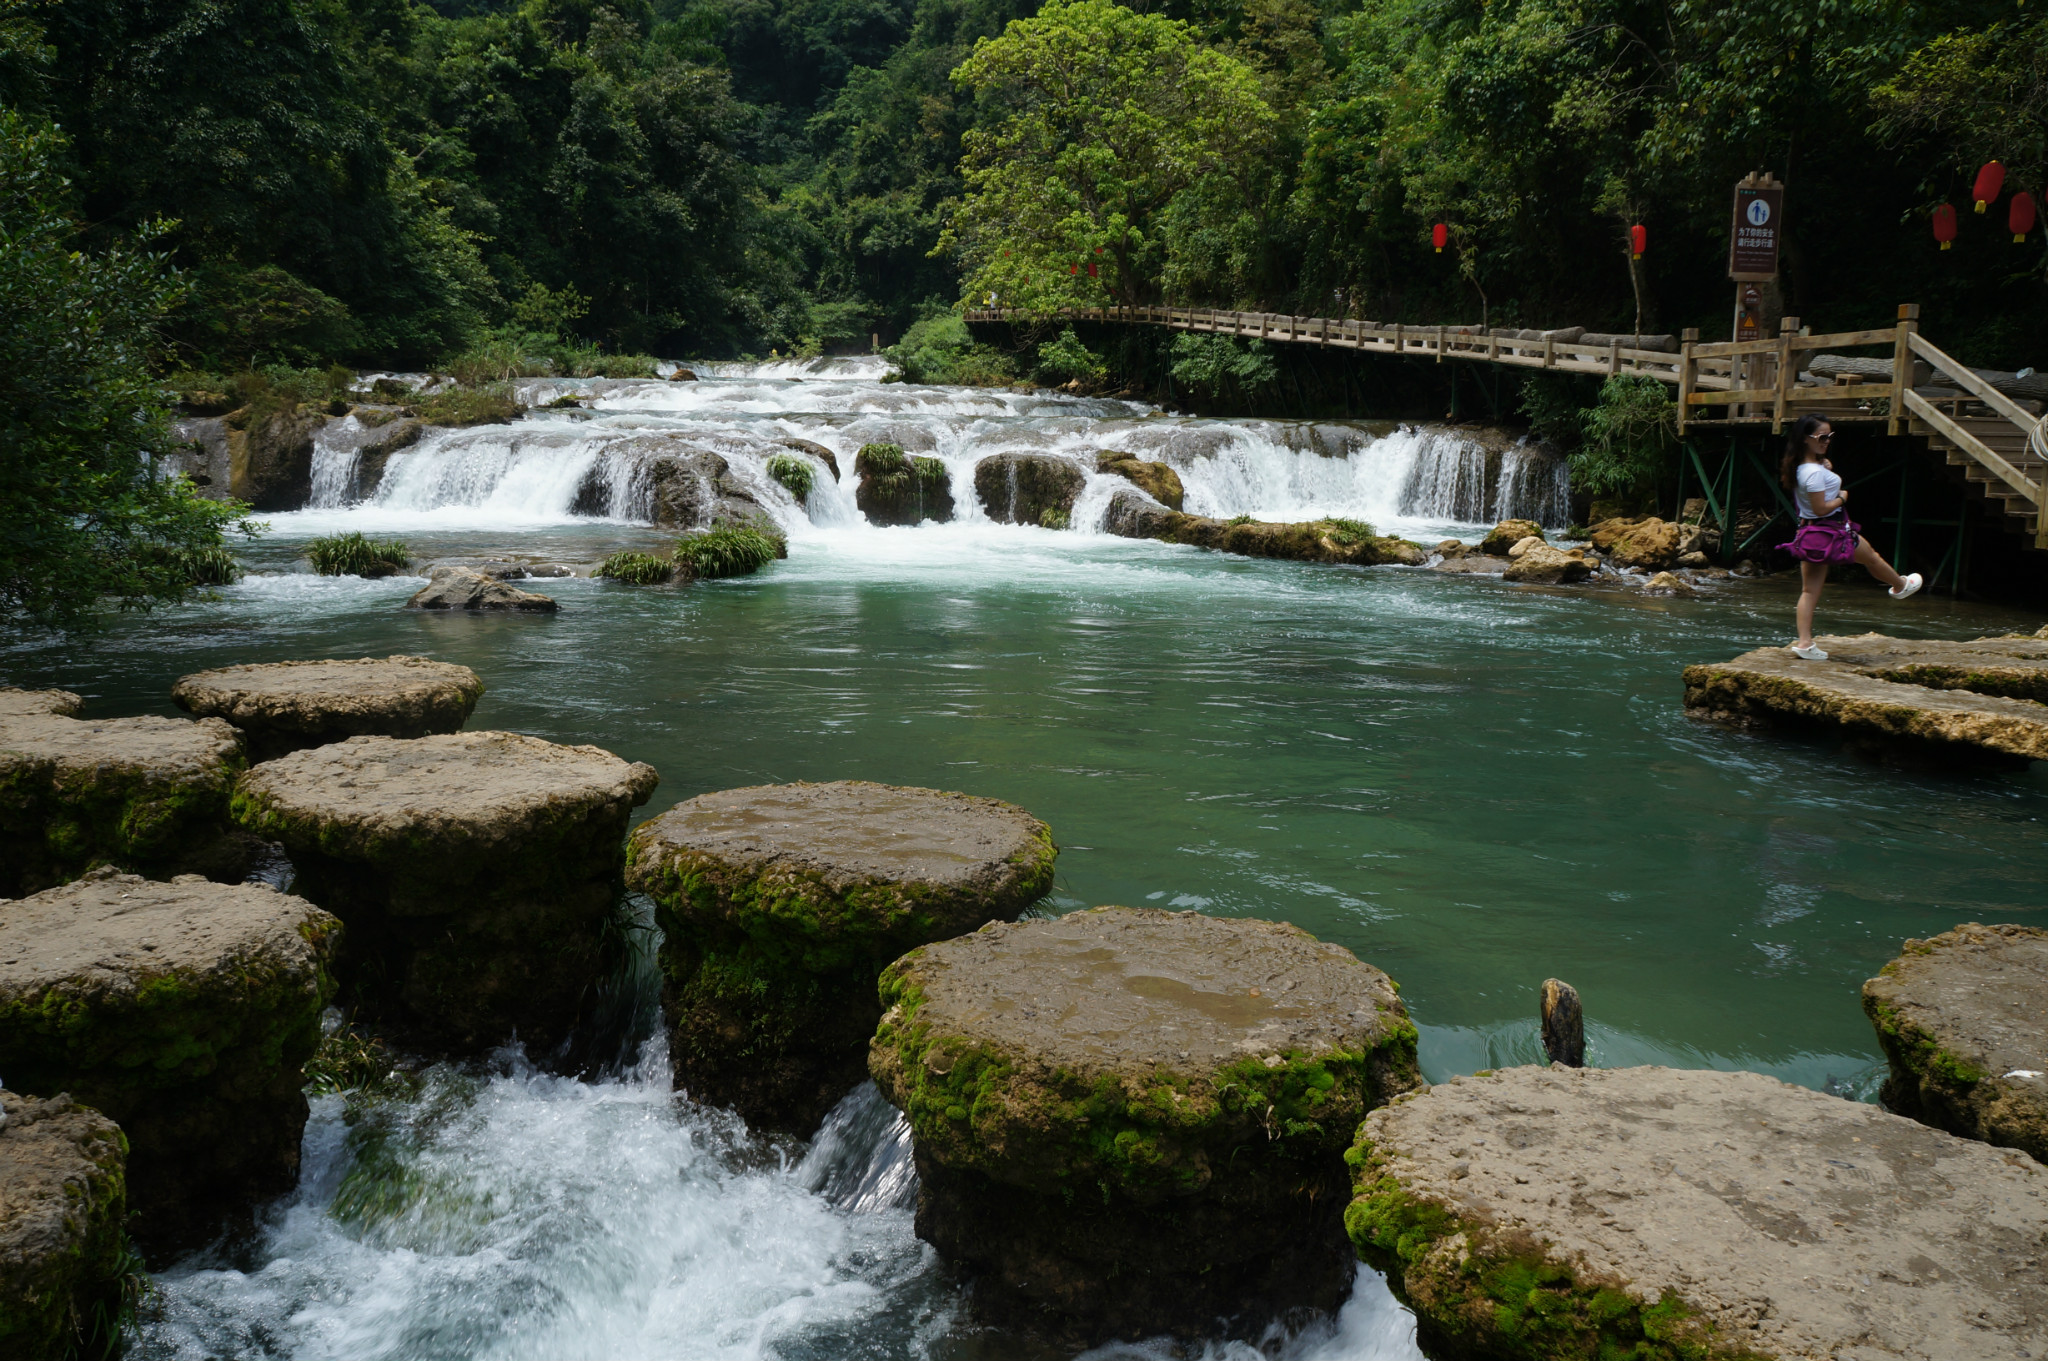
x: 1945, y: 224
x: 1990, y: 180
x: 1073, y: 269
x: 1438, y: 235
x: 2019, y: 219
x: 1092, y: 274
x: 1638, y: 240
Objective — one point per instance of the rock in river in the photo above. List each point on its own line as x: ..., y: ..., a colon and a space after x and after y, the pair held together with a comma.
x: 62, y: 1198
x: 1135, y: 515
x: 184, y: 1012
x: 894, y: 488
x: 1541, y: 563
x: 1130, y: 1121
x: 1654, y: 1212
x: 288, y: 706
x: 1963, y: 1019
x: 1507, y: 534
x: 1157, y: 480
x: 459, y: 588
x: 782, y: 903
x: 1646, y: 542
x: 149, y: 794
x: 1028, y: 489
x: 478, y: 874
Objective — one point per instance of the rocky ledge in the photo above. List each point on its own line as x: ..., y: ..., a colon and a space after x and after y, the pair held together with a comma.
x: 1028, y: 489
x: 149, y: 794
x: 62, y: 1199
x: 1653, y: 1212
x: 460, y: 588
x: 1963, y: 1019
x: 478, y: 873
x: 1855, y: 691
x: 282, y: 707
x: 781, y: 904
x: 1130, y: 1122
x: 1134, y: 515
x: 183, y: 1011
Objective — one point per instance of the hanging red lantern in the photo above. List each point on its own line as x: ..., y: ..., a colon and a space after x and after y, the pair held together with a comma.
x: 1638, y: 240
x: 2019, y: 219
x: 1990, y: 180
x: 1438, y: 235
x: 1945, y: 224
x: 1091, y: 270
x: 1073, y: 269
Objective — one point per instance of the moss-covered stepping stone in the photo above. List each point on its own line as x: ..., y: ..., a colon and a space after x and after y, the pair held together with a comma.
x: 781, y: 904
x: 478, y: 873
x: 148, y: 794
x: 62, y: 1199
x: 1659, y: 1212
x: 1130, y: 1122
x: 283, y: 707
x: 1963, y: 1019
x: 184, y: 1011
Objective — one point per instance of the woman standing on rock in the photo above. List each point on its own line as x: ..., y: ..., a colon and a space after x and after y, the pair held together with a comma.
x: 1826, y: 533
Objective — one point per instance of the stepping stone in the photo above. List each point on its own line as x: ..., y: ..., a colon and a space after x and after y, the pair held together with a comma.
x: 2016, y: 667
x: 781, y: 904
x: 1538, y: 1212
x: 148, y: 794
x: 478, y: 873
x: 1851, y: 694
x: 62, y: 1198
x: 282, y: 707
x: 184, y: 1011
x: 25, y: 703
x: 1130, y: 1122
x: 1963, y: 1020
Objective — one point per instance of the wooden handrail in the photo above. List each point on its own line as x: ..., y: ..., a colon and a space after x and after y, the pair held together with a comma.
x: 1967, y: 379
x: 1974, y: 447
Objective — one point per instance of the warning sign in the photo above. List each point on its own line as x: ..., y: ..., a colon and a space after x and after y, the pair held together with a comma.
x: 1758, y: 227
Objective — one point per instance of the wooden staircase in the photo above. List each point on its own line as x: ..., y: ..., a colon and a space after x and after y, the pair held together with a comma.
x: 1997, y: 436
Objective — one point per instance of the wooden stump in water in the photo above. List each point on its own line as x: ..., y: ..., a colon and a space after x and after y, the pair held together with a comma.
x: 1564, y: 1024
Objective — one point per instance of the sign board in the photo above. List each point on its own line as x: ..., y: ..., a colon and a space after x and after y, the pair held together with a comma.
x: 1757, y: 229
x: 1749, y: 322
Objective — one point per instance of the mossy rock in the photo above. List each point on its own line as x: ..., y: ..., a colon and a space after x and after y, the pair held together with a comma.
x: 1963, y: 1021
x: 1338, y: 541
x: 1668, y: 1215
x: 1023, y: 489
x: 1506, y: 535
x: 1130, y: 1121
x: 282, y: 707
x: 63, y: 1198
x: 1157, y: 480
x: 478, y: 873
x: 148, y: 794
x: 781, y: 904
x: 892, y: 488
x: 182, y: 1010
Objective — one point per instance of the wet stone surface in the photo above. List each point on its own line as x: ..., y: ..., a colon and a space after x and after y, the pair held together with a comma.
x: 183, y: 1011
x: 282, y: 707
x: 61, y: 1203
x: 781, y: 904
x: 478, y: 874
x: 1130, y: 1122
x: 1583, y: 1212
x: 1963, y: 1019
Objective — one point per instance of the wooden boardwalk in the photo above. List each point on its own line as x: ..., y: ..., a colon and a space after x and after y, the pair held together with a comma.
x: 1915, y: 388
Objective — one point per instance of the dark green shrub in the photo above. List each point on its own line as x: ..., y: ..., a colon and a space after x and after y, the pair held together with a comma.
x: 729, y: 550
x: 351, y: 554
x: 931, y: 476
x: 638, y: 569
x: 793, y: 473
x: 1064, y: 359
x: 490, y: 405
x: 885, y: 471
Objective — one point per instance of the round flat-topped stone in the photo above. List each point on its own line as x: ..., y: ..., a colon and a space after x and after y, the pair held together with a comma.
x: 182, y: 1010
x: 288, y: 706
x: 20, y: 703
x: 1656, y: 1211
x: 62, y: 1198
x: 1963, y: 1020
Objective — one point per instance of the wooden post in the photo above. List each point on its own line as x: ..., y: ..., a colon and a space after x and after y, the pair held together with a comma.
x: 1685, y: 374
x: 1441, y: 333
x: 1614, y: 364
x: 1550, y: 358
x: 1401, y: 340
x: 1902, y: 364
x: 1788, y: 372
x: 1564, y: 1024
x: 1492, y: 347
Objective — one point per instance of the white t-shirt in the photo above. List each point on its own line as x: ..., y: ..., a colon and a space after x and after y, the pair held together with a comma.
x: 1813, y: 477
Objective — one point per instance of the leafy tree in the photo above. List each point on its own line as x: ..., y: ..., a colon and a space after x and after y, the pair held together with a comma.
x: 89, y: 510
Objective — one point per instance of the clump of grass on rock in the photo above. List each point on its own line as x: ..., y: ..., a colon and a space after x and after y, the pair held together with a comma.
x: 729, y: 550
x: 636, y: 568
x: 338, y: 555
x: 794, y: 474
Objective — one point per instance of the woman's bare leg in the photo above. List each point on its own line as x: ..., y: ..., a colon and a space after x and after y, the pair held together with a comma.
x: 1879, y: 568
x: 1812, y: 576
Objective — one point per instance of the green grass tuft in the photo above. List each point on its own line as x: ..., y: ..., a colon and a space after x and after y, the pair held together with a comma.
x: 1350, y: 533
x: 793, y: 473
x: 1242, y: 520
x: 492, y: 404
x: 638, y: 569
x: 729, y: 550
x: 351, y: 554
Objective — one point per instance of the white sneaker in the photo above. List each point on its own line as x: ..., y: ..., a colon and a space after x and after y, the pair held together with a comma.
x: 1905, y: 588
x: 1807, y: 654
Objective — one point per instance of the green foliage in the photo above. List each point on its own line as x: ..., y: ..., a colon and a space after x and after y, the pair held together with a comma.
x: 90, y: 510
x: 1053, y: 518
x: 1350, y: 533
x: 637, y: 569
x: 795, y: 474
x: 353, y: 1059
x: 491, y: 404
x: 351, y: 554
x: 1554, y: 404
x: 1223, y: 367
x: 1064, y: 358
x: 729, y: 550
x: 1630, y: 436
x: 939, y: 349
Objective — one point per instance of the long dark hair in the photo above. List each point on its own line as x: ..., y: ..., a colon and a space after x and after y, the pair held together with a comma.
x: 1795, y: 448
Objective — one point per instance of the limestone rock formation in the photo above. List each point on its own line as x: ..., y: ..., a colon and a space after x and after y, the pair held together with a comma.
x: 674, y: 483
x: 1668, y: 583
x: 184, y: 1012
x: 149, y: 794
x: 2016, y: 667
x: 36, y: 703
x: 1578, y: 1212
x: 1130, y: 1121
x: 459, y: 588
x: 817, y: 451
x: 894, y: 488
x: 478, y: 874
x: 270, y: 456
x: 1541, y: 563
x: 1963, y: 1020
x: 63, y: 1194
x: 1157, y: 480
x: 1505, y: 535
x: 1135, y: 515
x: 1647, y: 542
x: 1028, y: 489
x: 287, y: 706
x: 782, y: 903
